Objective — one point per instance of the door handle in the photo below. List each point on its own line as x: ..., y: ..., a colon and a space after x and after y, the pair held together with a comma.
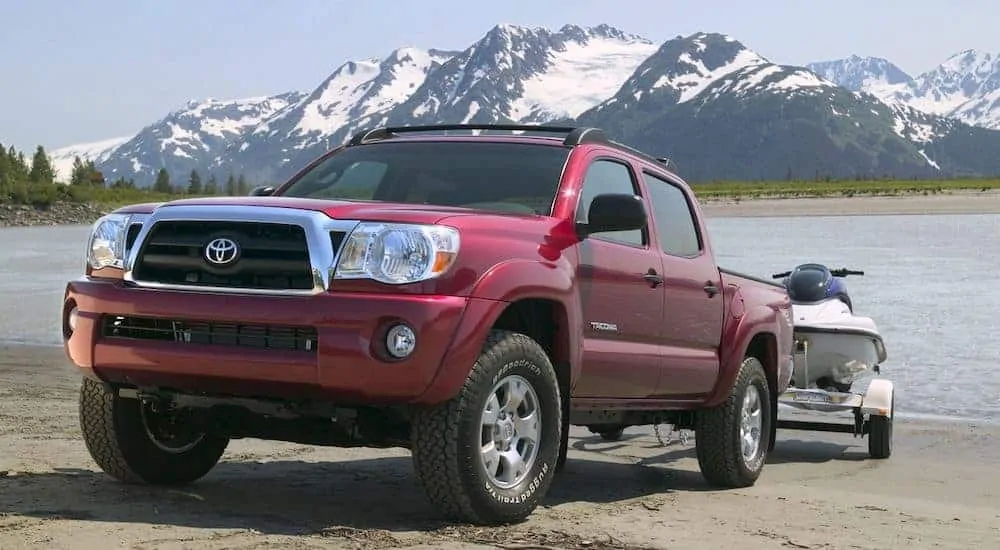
x: 711, y: 289
x: 653, y: 279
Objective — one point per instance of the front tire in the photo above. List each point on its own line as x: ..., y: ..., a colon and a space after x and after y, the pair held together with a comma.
x: 119, y: 434
x: 730, y: 438
x: 488, y: 455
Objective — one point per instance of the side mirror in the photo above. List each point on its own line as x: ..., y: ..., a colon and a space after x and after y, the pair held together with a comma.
x: 262, y: 191
x: 614, y: 212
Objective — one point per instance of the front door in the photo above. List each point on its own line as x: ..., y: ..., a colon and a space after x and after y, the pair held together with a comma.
x: 622, y: 308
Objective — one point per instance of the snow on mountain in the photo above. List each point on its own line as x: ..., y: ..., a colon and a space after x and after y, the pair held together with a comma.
x: 191, y: 136
x: 528, y: 74
x: 524, y: 74
x: 97, y: 151
x: 768, y: 78
x: 966, y: 86
x: 858, y: 73
x: 861, y: 108
x: 356, y: 90
x: 606, y: 55
x: 680, y: 69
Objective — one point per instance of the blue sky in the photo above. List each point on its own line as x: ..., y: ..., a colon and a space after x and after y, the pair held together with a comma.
x: 84, y: 71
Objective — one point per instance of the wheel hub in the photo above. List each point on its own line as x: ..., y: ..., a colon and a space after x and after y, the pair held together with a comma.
x: 750, y: 424
x: 511, y: 423
x: 165, y: 433
x: 505, y: 432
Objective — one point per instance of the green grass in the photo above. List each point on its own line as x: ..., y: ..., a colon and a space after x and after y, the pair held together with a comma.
x: 797, y: 189
x: 110, y: 198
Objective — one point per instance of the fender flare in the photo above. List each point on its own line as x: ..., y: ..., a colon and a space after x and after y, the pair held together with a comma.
x: 740, y: 332
x: 878, y: 398
x: 500, y: 286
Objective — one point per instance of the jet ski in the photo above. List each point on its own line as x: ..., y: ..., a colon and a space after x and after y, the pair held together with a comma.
x: 832, y: 344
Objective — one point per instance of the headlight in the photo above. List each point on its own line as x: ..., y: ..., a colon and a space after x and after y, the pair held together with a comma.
x: 107, y: 240
x: 397, y: 253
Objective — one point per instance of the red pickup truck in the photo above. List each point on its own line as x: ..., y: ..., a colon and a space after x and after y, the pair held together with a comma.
x: 467, y: 296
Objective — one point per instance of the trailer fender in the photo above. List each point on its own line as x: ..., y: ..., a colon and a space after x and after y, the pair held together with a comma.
x: 878, y: 398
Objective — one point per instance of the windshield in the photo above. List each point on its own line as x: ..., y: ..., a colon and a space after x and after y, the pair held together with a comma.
x: 511, y: 177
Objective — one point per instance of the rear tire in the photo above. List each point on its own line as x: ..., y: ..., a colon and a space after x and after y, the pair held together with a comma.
x: 463, y: 447
x: 117, y: 435
x: 732, y: 439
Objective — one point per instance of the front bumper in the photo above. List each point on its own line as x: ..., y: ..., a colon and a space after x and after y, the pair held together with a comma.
x: 334, y: 357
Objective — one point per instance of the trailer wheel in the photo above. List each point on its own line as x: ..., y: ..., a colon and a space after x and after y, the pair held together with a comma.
x: 732, y: 439
x: 488, y: 455
x: 880, y: 433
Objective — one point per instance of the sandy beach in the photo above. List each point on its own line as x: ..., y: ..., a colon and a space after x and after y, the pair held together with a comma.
x: 957, y: 202
x: 938, y: 490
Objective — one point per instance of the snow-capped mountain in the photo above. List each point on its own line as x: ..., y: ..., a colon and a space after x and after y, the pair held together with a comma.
x: 966, y: 86
x: 722, y: 111
x: 522, y: 74
x: 97, y: 151
x: 706, y: 100
x: 190, y: 137
x: 675, y: 73
x: 357, y: 94
x: 860, y: 73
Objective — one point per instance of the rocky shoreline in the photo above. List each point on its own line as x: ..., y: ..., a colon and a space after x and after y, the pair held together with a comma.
x: 60, y: 213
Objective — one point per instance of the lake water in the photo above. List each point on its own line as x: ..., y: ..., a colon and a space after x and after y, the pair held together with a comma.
x: 928, y: 284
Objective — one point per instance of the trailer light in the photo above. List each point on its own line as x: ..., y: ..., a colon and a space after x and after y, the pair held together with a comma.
x: 400, y: 340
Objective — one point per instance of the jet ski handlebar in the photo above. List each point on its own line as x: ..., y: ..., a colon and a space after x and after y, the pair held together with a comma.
x: 842, y: 272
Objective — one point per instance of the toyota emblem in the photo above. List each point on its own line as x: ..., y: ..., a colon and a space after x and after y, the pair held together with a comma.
x: 222, y: 251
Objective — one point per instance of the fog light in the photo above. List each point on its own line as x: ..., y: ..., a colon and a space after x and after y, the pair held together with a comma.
x: 400, y: 341
x: 71, y: 321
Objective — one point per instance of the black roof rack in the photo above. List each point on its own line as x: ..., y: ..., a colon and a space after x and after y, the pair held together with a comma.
x: 574, y: 135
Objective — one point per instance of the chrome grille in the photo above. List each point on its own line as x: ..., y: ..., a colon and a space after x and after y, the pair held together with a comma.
x: 273, y: 256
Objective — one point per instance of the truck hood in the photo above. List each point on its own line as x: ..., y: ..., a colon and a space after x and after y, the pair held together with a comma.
x: 349, y: 210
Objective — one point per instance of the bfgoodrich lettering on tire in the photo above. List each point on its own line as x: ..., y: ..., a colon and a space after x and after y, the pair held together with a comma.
x: 731, y: 439
x: 130, y: 444
x: 488, y: 455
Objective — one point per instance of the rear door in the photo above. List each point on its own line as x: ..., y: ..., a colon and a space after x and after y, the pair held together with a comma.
x: 622, y: 309
x: 692, y: 296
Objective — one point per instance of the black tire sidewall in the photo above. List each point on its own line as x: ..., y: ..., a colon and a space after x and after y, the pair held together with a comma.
x: 153, y: 464
x: 531, y: 363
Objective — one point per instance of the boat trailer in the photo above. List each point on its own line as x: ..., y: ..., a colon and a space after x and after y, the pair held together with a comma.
x: 873, y: 409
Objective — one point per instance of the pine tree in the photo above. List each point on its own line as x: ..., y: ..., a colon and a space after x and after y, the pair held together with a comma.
x: 194, y: 183
x: 41, y: 168
x: 242, y: 186
x: 231, y: 185
x: 95, y: 178
x: 162, y: 184
x: 79, y: 174
x: 211, y: 186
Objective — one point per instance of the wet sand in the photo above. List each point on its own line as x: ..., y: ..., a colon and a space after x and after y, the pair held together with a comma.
x: 940, y: 489
x: 958, y: 202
